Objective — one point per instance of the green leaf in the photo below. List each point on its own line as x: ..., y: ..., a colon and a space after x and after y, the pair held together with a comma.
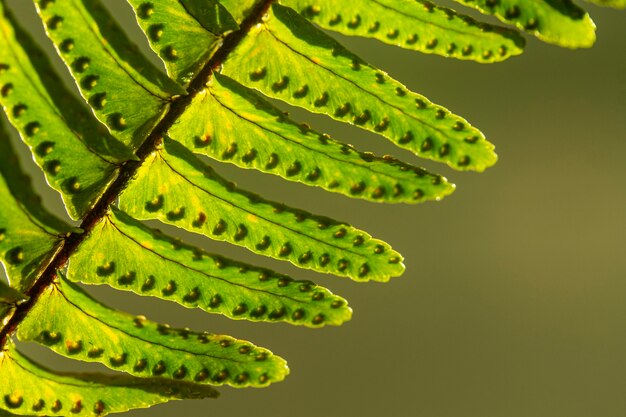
x: 9, y: 299
x: 185, y: 33
x: 73, y: 324
x: 317, y: 73
x: 7, y: 414
x: 127, y: 255
x: 9, y: 295
x: 239, y: 9
x: 175, y: 187
x: 124, y: 89
x: 30, y: 389
x: 76, y: 153
x: 417, y: 25
x: 560, y: 22
x: 29, y: 235
x: 231, y: 123
x: 617, y: 4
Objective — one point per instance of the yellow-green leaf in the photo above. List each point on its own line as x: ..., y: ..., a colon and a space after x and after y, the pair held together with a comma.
x: 30, y: 389
x: 239, y: 9
x: 231, y: 123
x: 127, y: 255
x: 184, y: 33
x: 414, y: 24
x: 287, y: 58
x: 75, y: 152
x: 175, y: 187
x: 73, y: 324
x: 125, y: 91
x: 560, y: 22
x: 29, y: 235
x: 617, y: 4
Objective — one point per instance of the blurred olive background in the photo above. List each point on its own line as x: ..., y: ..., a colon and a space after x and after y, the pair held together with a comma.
x: 513, y: 302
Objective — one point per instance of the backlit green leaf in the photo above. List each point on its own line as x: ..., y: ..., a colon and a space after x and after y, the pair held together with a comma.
x: 127, y: 255
x: 417, y: 25
x: 124, y: 89
x: 239, y: 9
x: 9, y: 298
x: 7, y: 414
x: 76, y: 153
x: 30, y: 389
x: 175, y: 187
x: 317, y: 73
x: 8, y: 295
x: 140, y: 141
x: 29, y: 235
x: 73, y: 324
x: 560, y: 22
x: 183, y: 33
x: 618, y: 4
x: 231, y: 123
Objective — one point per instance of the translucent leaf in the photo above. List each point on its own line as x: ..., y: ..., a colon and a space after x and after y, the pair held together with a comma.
x: 76, y: 153
x: 417, y: 25
x: 560, y: 22
x: 239, y: 9
x: 231, y: 123
x: 125, y: 90
x: 185, y: 34
x: 30, y: 389
x: 317, y: 73
x: 127, y: 255
x: 617, y: 4
x: 73, y: 324
x: 175, y: 187
x: 9, y: 298
x: 29, y: 235
x: 7, y: 414
x: 9, y: 295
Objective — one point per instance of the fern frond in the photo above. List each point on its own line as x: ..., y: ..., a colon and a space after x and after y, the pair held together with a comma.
x: 127, y: 255
x: 317, y: 73
x: 176, y: 188
x: 73, y: 324
x: 34, y: 390
x: 137, y: 158
x: 416, y: 25
x: 560, y: 22
x: 230, y: 123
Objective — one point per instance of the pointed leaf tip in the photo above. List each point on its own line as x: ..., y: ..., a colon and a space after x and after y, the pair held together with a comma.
x: 562, y: 22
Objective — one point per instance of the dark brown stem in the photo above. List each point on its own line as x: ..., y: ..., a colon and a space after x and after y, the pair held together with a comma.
x: 129, y: 168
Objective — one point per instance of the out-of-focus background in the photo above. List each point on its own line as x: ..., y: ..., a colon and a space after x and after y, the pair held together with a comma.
x: 514, y: 299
